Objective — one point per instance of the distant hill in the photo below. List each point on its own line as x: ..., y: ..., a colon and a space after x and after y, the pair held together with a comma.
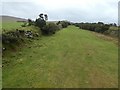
x: 11, y: 19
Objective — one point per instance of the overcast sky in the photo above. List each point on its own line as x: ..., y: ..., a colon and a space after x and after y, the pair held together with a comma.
x: 71, y: 10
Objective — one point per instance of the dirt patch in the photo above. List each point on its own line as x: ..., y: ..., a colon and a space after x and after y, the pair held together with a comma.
x: 99, y: 79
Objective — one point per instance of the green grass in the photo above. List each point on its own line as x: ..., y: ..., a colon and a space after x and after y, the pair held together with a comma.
x: 70, y: 58
x: 11, y: 25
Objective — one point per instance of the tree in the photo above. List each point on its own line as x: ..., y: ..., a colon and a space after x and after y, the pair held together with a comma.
x: 41, y: 16
x: 46, y: 28
x: 101, y: 23
x: 46, y: 17
x: 40, y: 23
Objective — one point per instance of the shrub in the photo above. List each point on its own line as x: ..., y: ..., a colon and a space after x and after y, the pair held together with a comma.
x: 8, y: 39
x: 113, y: 28
x: 59, y: 26
x: 97, y: 29
x: 50, y: 28
x: 64, y: 24
x: 105, y: 28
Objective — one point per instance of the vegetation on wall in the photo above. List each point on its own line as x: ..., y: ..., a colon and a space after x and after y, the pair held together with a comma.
x: 99, y: 27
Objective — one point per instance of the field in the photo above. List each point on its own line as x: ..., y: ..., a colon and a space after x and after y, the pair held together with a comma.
x: 11, y: 25
x: 70, y: 58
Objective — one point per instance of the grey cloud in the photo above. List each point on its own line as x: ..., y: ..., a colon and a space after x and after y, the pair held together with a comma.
x: 106, y: 12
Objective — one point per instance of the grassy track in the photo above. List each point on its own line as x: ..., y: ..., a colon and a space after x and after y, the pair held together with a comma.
x: 70, y: 58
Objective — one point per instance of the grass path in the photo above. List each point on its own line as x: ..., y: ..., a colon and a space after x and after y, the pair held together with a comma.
x: 70, y: 58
